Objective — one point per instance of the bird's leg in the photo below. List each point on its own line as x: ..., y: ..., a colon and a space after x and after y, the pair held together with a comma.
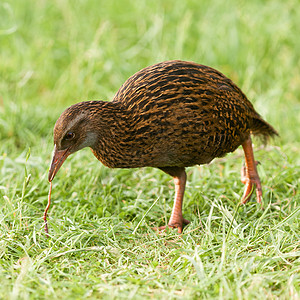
x: 179, y: 176
x: 249, y: 174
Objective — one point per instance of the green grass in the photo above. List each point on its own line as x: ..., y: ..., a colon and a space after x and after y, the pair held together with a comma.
x: 101, y: 245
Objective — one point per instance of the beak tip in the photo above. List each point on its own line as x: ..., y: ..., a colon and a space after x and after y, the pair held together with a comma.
x: 50, y: 176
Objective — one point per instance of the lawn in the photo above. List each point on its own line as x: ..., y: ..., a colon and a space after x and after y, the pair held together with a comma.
x: 101, y: 245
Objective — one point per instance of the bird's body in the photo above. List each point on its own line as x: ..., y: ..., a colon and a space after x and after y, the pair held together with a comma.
x: 170, y: 115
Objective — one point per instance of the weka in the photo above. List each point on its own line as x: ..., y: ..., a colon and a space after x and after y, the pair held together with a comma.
x: 171, y: 115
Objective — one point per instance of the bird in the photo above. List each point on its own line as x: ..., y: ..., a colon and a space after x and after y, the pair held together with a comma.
x: 171, y: 115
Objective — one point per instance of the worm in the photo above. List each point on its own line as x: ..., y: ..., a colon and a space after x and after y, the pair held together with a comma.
x: 46, y: 210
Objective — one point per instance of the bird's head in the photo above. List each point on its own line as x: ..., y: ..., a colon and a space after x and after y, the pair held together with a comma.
x: 72, y: 132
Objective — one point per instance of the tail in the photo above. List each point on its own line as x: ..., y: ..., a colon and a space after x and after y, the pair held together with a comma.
x: 263, y: 129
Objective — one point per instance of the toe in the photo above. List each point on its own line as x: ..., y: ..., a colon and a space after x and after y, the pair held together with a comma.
x: 248, y: 192
x: 185, y: 221
x: 178, y: 225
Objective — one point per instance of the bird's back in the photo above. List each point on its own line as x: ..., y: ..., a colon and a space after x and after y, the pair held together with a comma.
x: 182, y: 114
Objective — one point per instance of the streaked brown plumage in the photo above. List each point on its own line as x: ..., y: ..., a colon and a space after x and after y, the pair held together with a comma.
x: 170, y: 115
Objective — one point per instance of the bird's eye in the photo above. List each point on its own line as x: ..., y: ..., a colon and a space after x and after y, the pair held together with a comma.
x: 69, y: 136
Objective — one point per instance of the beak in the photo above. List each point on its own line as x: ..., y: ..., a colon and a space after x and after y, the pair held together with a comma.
x: 59, y: 156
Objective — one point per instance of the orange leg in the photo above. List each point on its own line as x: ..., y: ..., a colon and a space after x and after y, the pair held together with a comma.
x: 177, y: 220
x: 249, y: 174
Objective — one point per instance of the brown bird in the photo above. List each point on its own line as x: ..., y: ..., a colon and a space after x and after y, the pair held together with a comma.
x: 171, y: 115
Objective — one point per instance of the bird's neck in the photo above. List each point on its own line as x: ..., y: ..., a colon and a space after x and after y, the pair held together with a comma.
x: 110, y: 123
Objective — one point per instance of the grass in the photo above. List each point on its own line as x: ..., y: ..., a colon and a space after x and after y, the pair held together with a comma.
x: 101, y: 245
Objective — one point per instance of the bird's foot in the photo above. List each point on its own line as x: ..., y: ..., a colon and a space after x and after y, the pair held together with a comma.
x: 251, y: 181
x: 179, y: 224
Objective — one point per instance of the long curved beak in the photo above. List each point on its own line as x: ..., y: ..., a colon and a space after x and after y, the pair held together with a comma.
x: 58, y: 159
